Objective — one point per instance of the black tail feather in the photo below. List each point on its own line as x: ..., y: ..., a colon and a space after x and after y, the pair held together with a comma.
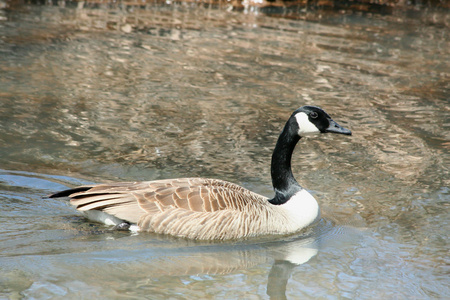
x: 67, y: 193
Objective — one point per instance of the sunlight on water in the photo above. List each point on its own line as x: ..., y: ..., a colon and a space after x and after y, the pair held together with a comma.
x: 97, y: 93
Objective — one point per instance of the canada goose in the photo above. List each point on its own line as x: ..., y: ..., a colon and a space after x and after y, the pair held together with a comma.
x: 211, y: 209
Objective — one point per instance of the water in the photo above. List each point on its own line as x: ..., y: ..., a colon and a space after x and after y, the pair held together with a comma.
x: 94, y: 94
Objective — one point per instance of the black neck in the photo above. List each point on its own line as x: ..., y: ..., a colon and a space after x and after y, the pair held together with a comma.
x: 283, y: 180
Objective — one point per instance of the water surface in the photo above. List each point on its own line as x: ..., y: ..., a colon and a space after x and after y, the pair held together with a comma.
x: 94, y: 94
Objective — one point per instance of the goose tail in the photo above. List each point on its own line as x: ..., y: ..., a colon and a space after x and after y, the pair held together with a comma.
x: 67, y: 193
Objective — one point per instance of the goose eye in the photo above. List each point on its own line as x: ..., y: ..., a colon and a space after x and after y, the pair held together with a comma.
x: 313, y: 115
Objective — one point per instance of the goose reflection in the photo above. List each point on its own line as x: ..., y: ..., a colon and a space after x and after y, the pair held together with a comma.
x: 198, y: 261
x: 175, y: 258
x: 286, y: 258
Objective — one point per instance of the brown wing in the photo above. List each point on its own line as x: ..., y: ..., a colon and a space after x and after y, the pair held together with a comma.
x: 132, y: 200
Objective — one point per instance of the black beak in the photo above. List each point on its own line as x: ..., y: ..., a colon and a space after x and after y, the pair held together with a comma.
x: 336, y: 128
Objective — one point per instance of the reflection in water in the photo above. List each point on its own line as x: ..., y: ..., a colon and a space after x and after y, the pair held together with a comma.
x: 278, y: 278
x: 129, y: 93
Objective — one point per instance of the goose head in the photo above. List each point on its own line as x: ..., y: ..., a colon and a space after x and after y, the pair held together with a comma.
x: 313, y: 120
x: 307, y: 120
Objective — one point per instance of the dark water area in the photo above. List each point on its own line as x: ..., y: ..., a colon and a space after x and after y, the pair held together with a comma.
x: 100, y: 92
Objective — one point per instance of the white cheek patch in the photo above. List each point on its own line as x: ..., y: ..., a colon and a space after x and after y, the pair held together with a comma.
x: 305, y: 126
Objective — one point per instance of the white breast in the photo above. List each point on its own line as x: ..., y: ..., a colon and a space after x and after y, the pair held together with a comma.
x: 302, y: 210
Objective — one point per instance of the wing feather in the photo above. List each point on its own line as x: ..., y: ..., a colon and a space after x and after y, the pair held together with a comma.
x: 189, y: 207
